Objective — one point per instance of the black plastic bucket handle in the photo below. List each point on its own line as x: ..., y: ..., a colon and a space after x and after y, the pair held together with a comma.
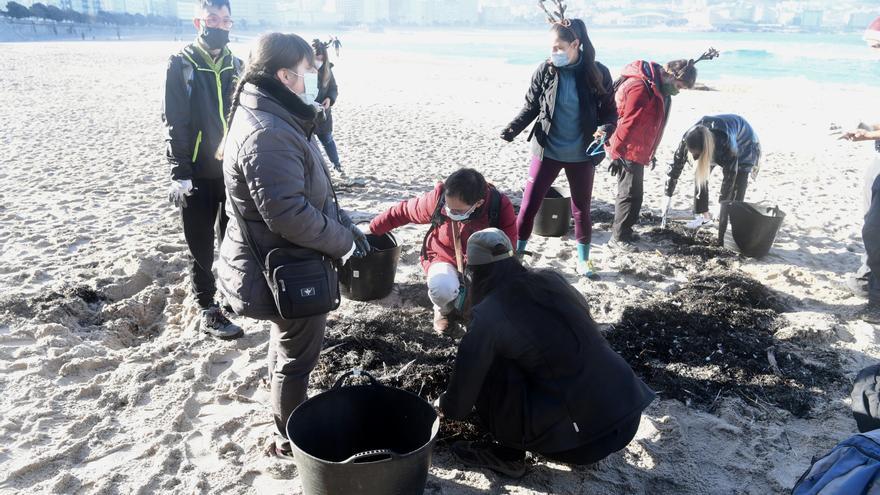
x: 357, y: 372
x: 385, y: 454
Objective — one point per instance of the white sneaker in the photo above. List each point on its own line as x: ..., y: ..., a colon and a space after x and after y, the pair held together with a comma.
x: 698, y: 222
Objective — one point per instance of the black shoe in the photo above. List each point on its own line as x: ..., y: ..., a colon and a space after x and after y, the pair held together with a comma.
x: 214, y: 322
x: 870, y: 314
x: 622, y: 246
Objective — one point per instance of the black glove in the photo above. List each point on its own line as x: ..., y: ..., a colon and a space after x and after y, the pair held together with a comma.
x: 653, y: 163
x: 670, y: 186
x: 616, y: 167
x: 508, y: 135
x: 360, y: 241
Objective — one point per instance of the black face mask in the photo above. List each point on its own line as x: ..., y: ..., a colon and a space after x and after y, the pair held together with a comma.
x: 214, y: 38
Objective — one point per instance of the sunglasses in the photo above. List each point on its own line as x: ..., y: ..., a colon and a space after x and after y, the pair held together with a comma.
x: 215, y: 21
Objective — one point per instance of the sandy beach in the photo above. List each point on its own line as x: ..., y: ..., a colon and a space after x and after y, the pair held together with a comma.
x: 106, y: 386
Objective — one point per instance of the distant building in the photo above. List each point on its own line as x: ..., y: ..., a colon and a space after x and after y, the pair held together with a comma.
x: 811, y: 19
x: 362, y: 11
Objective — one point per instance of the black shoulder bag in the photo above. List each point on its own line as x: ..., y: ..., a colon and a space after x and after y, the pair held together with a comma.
x: 303, y: 282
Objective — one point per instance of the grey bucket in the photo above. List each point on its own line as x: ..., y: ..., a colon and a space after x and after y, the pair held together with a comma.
x: 363, y: 440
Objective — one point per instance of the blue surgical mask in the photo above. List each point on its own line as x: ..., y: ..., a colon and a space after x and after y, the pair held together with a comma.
x: 559, y: 59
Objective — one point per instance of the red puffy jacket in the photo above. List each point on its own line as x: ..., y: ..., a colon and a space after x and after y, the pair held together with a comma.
x: 439, y: 246
x: 641, y: 111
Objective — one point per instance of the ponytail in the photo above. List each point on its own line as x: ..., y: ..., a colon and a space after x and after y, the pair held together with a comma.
x: 701, y: 138
x: 236, y: 100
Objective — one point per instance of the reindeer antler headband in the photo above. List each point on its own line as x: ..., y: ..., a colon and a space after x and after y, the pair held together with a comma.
x: 710, y: 54
x: 557, y: 16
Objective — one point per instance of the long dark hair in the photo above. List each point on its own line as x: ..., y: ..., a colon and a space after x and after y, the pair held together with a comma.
x: 324, y: 71
x: 486, y: 278
x: 273, y: 51
x: 575, y: 29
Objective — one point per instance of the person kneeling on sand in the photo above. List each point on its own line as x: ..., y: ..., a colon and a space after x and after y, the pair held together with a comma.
x: 727, y: 141
x: 533, y: 363
x: 279, y: 190
x: 455, y: 209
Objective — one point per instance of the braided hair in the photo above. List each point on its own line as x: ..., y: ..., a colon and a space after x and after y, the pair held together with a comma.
x: 274, y: 51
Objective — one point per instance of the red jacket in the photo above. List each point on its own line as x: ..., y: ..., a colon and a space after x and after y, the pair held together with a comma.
x: 439, y: 246
x: 641, y: 111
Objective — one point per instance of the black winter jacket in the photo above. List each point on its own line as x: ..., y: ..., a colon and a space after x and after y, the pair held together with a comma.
x: 541, y: 376
x: 737, y: 148
x: 198, y: 93
x: 596, y: 110
x: 329, y: 90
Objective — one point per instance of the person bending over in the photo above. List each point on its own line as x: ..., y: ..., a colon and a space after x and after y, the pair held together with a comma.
x: 536, y: 369
x: 727, y: 141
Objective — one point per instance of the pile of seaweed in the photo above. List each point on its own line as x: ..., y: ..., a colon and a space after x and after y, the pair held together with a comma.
x: 701, y: 244
x: 400, y: 349
x: 714, y: 338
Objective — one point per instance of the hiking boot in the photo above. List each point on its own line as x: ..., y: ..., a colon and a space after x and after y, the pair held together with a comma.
x: 698, y: 221
x: 214, y: 322
x: 622, y: 246
x: 486, y: 455
x: 588, y: 270
x: 857, y: 285
x: 870, y: 314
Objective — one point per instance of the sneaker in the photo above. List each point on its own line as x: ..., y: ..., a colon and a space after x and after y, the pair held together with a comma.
x: 588, y: 270
x: 273, y: 450
x: 482, y: 455
x: 214, y: 322
x: 870, y: 314
x: 622, y: 246
x: 857, y: 285
x: 698, y: 222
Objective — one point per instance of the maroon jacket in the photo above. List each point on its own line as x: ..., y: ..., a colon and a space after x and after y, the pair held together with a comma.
x: 439, y: 245
x: 641, y: 111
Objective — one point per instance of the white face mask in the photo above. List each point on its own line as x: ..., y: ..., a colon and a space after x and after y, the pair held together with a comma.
x: 319, y: 64
x: 459, y: 217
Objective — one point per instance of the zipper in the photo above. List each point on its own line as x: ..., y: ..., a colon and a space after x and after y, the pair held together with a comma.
x: 283, y: 287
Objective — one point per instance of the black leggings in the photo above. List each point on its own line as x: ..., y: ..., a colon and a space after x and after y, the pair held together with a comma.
x: 204, y: 220
x: 732, y: 187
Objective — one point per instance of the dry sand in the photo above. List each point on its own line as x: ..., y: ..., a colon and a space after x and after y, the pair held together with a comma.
x: 124, y: 396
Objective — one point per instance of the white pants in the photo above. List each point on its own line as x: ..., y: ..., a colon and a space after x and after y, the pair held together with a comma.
x: 871, y: 173
x: 443, y: 285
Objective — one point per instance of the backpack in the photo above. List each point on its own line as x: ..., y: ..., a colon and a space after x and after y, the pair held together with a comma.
x: 437, y: 218
x: 852, y: 467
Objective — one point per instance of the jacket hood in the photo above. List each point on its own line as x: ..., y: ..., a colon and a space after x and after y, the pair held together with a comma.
x: 266, y: 93
x: 649, y: 72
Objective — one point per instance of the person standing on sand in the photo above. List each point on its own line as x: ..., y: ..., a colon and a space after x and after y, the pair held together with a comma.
x: 867, y: 283
x: 198, y: 89
x: 327, y: 93
x: 643, y: 96
x: 536, y: 369
x: 455, y: 209
x: 572, y: 99
x: 727, y: 141
x: 276, y: 178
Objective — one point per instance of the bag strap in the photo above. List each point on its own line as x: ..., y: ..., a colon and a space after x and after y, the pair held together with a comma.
x: 436, y: 221
x: 246, y: 232
x: 494, y: 207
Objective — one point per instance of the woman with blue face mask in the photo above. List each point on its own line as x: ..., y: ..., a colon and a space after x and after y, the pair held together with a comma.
x: 572, y: 103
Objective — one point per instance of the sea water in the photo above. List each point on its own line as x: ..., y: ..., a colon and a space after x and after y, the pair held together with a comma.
x: 819, y: 57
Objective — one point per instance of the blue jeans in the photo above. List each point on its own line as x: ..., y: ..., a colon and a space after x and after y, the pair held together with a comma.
x: 330, y: 148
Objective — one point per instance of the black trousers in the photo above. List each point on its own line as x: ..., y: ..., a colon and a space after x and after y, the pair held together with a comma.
x: 733, y: 187
x: 871, y: 236
x: 628, y: 205
x: 204, y: 220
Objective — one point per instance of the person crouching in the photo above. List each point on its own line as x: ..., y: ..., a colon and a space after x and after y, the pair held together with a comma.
x: 534, y: 365
x: 455, y: 209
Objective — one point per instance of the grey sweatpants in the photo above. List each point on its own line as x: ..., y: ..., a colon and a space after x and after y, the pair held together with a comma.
x: 294, y: 348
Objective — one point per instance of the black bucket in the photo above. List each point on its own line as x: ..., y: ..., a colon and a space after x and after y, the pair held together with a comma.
x: 371, y: 277
x: 554, y: 216
x: 753, y: 227
x: 363, y: 440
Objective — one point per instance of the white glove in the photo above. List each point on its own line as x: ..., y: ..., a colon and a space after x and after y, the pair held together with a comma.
x: 178, y: 191
x: 349, y: 254
x: 664, y: 209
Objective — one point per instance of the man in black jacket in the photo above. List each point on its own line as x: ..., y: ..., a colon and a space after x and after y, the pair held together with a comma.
x: 198, y: 88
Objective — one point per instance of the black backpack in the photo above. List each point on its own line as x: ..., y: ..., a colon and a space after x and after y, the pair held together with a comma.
x: 438, y: 219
